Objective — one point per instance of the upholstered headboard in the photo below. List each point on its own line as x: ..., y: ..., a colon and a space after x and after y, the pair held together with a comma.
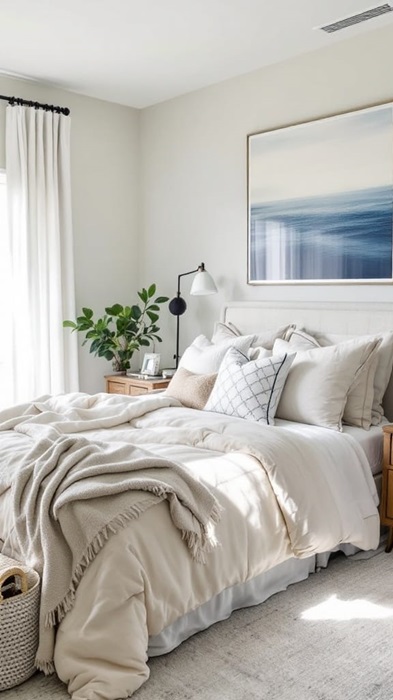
x: 340, y: 317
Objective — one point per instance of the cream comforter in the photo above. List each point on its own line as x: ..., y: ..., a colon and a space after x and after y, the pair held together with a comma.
x: 282, y: 493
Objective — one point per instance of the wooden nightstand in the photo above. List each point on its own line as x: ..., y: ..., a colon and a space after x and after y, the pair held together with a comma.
x: 386, y: 507
x: 133, y: 386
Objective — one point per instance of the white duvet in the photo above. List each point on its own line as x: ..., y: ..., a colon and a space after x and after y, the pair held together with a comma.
x: 283, y: 493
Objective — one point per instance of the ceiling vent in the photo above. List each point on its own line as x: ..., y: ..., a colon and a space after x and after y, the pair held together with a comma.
x: 356, y: 19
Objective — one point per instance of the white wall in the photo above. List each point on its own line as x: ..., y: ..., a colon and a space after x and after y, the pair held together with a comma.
x: 104, y: 162
x: 157, y: 192
x: 194, y: 171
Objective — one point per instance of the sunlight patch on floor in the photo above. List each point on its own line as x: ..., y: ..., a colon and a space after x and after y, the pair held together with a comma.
x: 335, y: 609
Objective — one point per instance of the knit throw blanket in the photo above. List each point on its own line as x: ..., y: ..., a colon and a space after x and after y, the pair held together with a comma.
x: 71, y: 494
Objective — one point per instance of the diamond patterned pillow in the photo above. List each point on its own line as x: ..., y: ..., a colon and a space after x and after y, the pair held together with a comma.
x: 249, y: 389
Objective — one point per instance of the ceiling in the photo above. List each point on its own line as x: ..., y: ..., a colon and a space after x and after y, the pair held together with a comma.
x: 140, y: 52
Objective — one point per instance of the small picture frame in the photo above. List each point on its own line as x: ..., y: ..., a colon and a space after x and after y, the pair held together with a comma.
x: 151, y: 364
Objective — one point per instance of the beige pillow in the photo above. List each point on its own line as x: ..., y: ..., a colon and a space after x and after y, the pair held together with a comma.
x: 192, y: 390
x: 358, y: 408
x: 384, y: 365
x: 319, y: 380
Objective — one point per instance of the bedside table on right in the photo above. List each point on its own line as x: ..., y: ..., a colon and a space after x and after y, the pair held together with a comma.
x: 386, y: 506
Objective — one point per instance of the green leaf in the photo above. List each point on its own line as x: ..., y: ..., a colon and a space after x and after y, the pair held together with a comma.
x: 95, y: 346
x: 70, y: 324
x: 153, y: 317
x: 161, y: 300
x: 136, y: 312
x: 88, y: 312
x: 143, y: 295
x: 85, y: 325
x: 114, y: 310
x: 152, y: 290
x: 83, y: 319
x: 91, y: 334
x: 102, y: 324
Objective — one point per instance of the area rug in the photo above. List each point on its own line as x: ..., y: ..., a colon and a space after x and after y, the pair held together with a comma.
x: 327, y: 638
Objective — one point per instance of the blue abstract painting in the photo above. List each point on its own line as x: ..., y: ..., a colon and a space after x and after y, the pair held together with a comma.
x: 321, y: 200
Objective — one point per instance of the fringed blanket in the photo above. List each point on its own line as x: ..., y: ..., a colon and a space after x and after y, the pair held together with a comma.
x: 70, y: 494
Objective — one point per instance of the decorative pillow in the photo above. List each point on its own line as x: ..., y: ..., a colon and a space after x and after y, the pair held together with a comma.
x: 300, y: 340
x: 384, y: 365
x: 319, y: 380
x: 204, y: 357
x: 223, y: 331
x: 358, y: 408
x: 249, y: 389
x: 192, y: 390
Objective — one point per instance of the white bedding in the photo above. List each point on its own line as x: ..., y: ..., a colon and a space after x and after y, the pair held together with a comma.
x: 370, y: 440
x: 372, y: 443
x: 271, y: 483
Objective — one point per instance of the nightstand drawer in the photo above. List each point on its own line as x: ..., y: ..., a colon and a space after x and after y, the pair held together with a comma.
x: 114, y: 387
x: 137, y: 390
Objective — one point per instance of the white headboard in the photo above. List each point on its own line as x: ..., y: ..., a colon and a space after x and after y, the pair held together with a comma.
x: 332, y: 317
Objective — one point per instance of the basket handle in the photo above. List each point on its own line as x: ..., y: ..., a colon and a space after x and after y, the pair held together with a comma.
x: 13, y: 571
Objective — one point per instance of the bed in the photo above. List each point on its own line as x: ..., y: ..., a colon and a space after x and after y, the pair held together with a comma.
x: 169, y: 512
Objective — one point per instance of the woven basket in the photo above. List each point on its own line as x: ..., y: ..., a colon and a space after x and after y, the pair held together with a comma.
x: 18, y: 624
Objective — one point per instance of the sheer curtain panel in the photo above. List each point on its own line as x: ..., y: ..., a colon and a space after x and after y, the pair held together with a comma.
x: 44, y: 355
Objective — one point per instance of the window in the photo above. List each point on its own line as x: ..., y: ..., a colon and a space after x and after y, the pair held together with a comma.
x: 5, y: 285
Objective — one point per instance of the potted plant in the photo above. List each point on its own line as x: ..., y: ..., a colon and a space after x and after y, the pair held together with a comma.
x: 122, y: 330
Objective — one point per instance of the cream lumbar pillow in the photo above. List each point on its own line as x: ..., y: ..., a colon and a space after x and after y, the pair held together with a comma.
x: 192, y: 390
x: 204, y: 357
x: 249, y: 389
x: 319, y: 381
x: 358, y: 408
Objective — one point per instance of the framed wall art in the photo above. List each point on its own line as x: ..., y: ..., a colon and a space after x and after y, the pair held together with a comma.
x: 320, y: 200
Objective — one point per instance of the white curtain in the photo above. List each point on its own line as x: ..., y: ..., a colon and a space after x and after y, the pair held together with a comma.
x: 44, y: 355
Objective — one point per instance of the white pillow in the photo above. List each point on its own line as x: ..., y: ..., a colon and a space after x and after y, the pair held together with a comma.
x: 301, y: 340
x: 383, y: 369
x: 249, y: 389
x: 358, y: 408
x: 204, y: 357
x: 319, y: 380
x: 223, y: 331
x: 258, y: 353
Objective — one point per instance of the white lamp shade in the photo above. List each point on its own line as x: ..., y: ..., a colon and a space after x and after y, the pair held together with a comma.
x: 203, y: 283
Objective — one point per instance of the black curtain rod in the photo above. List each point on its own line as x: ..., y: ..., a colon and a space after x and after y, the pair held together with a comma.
x: 37, y: 105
